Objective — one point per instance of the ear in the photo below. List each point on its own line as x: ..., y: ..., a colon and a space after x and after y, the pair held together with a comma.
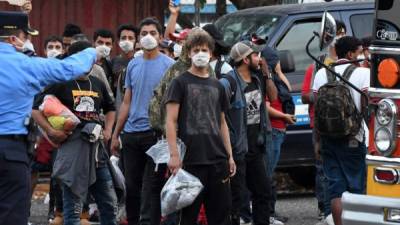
x: 246, y: 61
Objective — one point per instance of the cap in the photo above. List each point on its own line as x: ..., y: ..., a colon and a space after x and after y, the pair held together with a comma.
x: 180, y: 36
x: 213, y: 31
x: 14, y: 21
x: 271, y: 56
x: 243, y: 49
x: 167, y: 44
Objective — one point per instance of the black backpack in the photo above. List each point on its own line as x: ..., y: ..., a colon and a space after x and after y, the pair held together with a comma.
x: 284, y: 96
x: 336, y: 115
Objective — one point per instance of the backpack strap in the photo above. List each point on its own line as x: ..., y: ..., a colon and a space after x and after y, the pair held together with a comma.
x: 232, y: 84
x: 330, y: 76
x: 218, y: 68
x: 349, y: 71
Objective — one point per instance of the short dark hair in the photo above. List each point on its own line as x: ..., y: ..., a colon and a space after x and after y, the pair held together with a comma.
x: 346, y: 44
x: 78, y: 47
x: 150, y: 21
x: 71, y: 29
x: 103, y: 33
x: 7, y: 32
x: 52, y: 38
x: 129, y: 27
x: 199, y: 37
x: 366, y: 42
x: 340, y: 26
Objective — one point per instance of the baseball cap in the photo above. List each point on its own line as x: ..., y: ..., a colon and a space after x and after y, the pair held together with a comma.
x: 12, y: 20
x: 243, y: 49
x: 180, y: 36
x: 213, y: 31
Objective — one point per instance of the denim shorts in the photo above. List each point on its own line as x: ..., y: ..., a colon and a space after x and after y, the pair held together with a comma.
x: 344, y: 166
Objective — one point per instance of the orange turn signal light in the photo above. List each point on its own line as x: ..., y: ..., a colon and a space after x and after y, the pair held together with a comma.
x: 388, y: 72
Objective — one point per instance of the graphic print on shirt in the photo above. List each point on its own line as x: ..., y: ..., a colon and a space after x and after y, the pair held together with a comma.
x: 84, y: 104
x: 201, y: 118
x: 253, y: 100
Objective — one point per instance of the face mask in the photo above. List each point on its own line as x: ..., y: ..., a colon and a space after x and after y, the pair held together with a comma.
x: 126, y: 46
x: 53, y: 53
x: 148, y: 42
x: 361, y: 57
x: 201, y: 59
x: 138, y: 53
x: 177, y: 50
x: 28, y: 46
x: 103, y: 51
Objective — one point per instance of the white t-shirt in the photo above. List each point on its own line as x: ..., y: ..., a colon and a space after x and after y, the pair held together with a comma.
x: 225, y: 69
x: 360, y: 78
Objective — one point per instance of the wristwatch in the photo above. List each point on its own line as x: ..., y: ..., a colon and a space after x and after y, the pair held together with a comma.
x: 269, y: 76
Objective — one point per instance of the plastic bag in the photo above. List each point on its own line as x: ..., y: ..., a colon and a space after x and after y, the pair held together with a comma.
x: 180, y: 191
x: 114, y: 161
x: 160, y: 151
x: 119, y: 179
x: 59, y: 116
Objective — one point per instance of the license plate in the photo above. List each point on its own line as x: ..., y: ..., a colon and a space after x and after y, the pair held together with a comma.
x: 301, y: 111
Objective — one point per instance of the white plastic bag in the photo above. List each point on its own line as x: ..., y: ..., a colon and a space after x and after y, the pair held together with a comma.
x: 160, y: 151
x: 114, y: 161
x: 15, y: 2
x: 180, y: 191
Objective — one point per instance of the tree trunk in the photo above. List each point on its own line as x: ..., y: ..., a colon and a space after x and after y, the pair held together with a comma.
x: 244, y: 4
x: 221, y: 8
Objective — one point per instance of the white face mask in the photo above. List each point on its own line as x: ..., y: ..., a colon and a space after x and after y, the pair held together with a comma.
x: 138, y: 53
x: 103, y: 51
x: 201, y: 59
x: 177, y: 50
x: 28, y: 46
x: 148, y: 42
x: 53, y: 53
x: 361, y: 57
x: 126, y: 46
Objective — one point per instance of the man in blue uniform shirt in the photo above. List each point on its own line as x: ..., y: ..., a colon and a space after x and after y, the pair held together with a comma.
x: 21, y: 78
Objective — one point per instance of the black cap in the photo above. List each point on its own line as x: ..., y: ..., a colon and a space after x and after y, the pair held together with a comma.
x: 12, y: 20
x: 213, y: 31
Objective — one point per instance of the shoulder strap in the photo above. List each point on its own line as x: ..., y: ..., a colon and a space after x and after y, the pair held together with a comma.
x: 349, y: 71
x: 232, y: 83
x: 218, y: 67
x: 330, y: 76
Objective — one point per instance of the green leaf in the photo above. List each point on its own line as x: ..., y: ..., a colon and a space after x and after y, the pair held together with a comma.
x: 202, y: 3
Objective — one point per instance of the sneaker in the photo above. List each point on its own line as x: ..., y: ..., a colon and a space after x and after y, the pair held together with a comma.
x: 329, y: 220
x: 320, y: 215
x: 242, y: 222
x: 273, y: 221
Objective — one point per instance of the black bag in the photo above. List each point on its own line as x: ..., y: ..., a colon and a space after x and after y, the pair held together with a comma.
x: 284, y: 96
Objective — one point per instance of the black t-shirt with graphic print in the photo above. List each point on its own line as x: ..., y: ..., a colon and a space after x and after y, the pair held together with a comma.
x: 201, y: 100
x: 254, y: 101
x: 85, y: 98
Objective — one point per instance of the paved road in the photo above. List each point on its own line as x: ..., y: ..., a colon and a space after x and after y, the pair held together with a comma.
x: 300, y: 210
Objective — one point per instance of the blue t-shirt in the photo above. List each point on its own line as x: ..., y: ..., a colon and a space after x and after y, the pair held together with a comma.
x: 142, y: 77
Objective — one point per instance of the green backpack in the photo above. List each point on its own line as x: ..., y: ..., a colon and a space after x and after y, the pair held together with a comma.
x: 336, y: 115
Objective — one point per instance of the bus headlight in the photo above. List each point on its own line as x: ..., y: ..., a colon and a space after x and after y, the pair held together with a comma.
x: 383, y: 139
x: 385, y: 130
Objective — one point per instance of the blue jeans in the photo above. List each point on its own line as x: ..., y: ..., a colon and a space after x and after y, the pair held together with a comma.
x: 274, y: 152
x: 344, y: 166
x: 104, y: 194
x: 321, y: 189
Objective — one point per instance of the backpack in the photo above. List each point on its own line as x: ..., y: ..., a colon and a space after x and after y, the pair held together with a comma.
x: 336, y: 115
x: 284, y: 96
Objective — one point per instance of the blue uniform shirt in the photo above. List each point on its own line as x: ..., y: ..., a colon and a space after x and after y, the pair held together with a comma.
x: 22, y: 77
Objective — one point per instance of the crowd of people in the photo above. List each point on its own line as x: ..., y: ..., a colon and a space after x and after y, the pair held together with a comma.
x: 228, y: 104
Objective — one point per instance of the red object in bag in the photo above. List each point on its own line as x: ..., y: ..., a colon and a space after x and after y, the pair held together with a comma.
x: 202, y: 219
x: 43, y: 151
